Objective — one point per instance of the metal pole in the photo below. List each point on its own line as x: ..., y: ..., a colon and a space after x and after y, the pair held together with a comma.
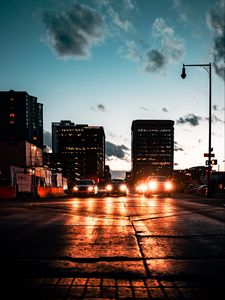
x: 210, y: 118
x: 210, y: 121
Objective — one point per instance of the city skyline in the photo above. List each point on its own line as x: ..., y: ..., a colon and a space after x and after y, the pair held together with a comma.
x: 107, y: 63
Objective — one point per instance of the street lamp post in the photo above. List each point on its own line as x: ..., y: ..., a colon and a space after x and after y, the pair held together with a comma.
x: 207, y: 67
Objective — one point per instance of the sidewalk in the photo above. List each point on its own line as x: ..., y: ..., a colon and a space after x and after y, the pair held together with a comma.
x: 111, y: 288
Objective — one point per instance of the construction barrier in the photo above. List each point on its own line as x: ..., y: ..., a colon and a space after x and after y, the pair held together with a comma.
x: 7, y: 192
x: 48, y: 192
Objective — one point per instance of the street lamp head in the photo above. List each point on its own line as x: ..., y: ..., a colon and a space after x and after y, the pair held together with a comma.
x: 183, y: 74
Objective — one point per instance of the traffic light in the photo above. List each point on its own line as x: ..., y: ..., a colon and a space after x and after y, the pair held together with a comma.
x: 214, y: 162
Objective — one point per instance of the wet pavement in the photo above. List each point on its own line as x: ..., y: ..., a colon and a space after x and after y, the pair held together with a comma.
x: 113, y: 248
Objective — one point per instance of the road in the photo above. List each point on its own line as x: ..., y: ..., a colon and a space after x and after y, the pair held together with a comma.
x: 113, y: 248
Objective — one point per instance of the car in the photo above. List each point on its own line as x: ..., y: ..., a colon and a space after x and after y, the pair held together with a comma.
x: 116, y: 187
x: 141, y: 187
x: 202, y: 190
x: 86, y: 187
x: 190, y: 188
x: 158, y: 185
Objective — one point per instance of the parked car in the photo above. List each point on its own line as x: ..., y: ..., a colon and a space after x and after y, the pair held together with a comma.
x: 158, y: 185
x: 86, y: 187
x: 190, y: 188
x: 116, y: 187
x: 201, y: 190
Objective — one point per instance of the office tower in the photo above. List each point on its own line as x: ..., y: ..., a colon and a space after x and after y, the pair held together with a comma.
x: 21, y: 129
x: 152, y: 148
x: 80, y: 150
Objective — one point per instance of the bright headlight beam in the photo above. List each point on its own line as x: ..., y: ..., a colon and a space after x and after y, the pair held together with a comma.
x: 109, y: 187
x: 152, y: 185
x: 168, y: 185
x: 123, y: 187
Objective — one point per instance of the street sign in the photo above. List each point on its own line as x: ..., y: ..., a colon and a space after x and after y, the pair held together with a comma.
x: 207, y: 154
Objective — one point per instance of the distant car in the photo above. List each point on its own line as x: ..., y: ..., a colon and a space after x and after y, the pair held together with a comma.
x: 86, y: 187
x: 116, y: 187
x: 201, y: 190
x: 141, y: 187
x: 191, y: 188
x: 158, y: 185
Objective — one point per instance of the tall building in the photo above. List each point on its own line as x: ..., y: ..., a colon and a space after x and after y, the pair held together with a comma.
x: 152, y: 147
x: 80, y: 150
x: 21, y: 129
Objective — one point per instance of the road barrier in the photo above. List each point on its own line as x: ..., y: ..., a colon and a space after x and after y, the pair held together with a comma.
x: 7, y: 192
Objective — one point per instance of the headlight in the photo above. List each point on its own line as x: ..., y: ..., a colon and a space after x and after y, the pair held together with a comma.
x: 108, y: 187
x: 168, y: 186
x: 123, y: 187
x: 90, y: 188
x: 152, y: 185
x: 75, y: 188
x: 141, y: 188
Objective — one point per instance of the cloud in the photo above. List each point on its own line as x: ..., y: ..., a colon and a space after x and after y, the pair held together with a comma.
x: 216, y: 119
x: 118, y: 151
x: 170, y: 51
x: 181, y: 11
x: 123, y: 5
x: 144, y: 108
x: 132, y: 52
x: 123, y: 25
x: 116, y: 16
x: 177, y: 147
x: 216, y: 22
x: 164, y: 109
x: 171, y: 43
x: 190, y: 119
x: 72, y: 33
x: 130, y: 4
x: 99, y: 107
x: 47, y: 137
x: 111, y: 134
x: 155, y: 61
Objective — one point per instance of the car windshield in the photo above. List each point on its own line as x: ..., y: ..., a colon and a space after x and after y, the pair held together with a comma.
x: 117, y: 181
x: 85, y: 182
x: 158, y: 178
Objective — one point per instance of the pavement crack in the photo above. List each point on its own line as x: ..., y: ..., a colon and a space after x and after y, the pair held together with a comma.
x: 180, y: 236
x: 136, y: 218
x: 140, y: 249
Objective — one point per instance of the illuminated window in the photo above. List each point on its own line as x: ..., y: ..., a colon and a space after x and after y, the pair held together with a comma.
x: 12, y: 115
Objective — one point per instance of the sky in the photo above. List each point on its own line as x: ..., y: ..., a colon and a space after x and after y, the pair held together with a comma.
x: 109, y: 62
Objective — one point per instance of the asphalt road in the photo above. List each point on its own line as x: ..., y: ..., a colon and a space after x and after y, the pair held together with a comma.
x: 146, y: 248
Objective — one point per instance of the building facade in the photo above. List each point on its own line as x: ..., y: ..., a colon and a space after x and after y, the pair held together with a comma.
x: 21, y: 129
x: 80, y: 150
x: 152, y: 148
